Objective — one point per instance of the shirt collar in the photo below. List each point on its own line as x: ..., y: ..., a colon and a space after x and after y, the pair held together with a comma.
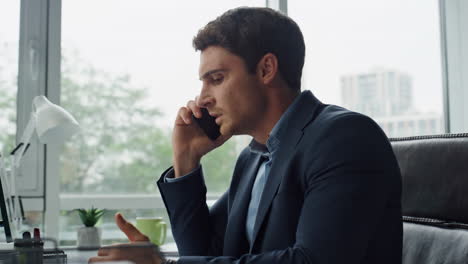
x: 259, y: 148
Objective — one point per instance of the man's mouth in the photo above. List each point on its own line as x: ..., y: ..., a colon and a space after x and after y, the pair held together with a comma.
x: 217, y: 117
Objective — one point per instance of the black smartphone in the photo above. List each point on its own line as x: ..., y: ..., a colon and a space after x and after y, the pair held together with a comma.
x: 207, y: 124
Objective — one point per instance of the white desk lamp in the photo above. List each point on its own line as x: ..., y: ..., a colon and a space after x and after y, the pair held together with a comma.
x: 53, y: 125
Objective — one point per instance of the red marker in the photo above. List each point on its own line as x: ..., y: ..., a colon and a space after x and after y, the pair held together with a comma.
x: 37, y: 234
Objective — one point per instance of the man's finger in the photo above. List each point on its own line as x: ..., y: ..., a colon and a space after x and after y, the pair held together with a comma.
x: 103, y: 252
x: 194, y: 108
x: 185, y: 115
x: 129, y: 230
x: 101, y: 259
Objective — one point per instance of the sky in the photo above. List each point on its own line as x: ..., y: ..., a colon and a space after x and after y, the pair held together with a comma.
x: 151, y: 40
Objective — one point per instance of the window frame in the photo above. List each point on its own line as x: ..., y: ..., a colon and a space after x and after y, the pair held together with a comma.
x: 39, y: 74
x: 454, y: 40
x: 32, y: 81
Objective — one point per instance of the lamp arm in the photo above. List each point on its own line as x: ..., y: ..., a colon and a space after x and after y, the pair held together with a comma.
x: 23, y: 146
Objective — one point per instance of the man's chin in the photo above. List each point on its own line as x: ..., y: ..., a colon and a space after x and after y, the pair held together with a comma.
x: 226, y: 130
x: 223, y: 130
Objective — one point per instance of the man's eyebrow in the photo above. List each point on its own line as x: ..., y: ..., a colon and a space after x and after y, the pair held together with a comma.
x: 206, y: 74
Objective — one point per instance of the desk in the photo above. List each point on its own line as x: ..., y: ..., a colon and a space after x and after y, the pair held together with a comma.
x: 79, y: 256
x: 75, y: 256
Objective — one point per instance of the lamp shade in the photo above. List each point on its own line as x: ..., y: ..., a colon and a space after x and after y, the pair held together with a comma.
x: 53, y: 123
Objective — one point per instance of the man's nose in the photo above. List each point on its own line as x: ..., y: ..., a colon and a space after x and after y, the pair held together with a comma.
x: 205, y: 100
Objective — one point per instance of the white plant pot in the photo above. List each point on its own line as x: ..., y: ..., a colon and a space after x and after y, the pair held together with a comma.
x: 89, y: 237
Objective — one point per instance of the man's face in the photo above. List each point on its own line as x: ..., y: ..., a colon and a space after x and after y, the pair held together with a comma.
x: 229, y: 92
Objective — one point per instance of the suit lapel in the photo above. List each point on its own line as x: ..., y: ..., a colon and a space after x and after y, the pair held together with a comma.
x: 277, y: 170
x: 305, y: 112
x: 235, y: 241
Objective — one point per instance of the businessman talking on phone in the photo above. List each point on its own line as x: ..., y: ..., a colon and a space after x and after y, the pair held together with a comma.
x: 317, y: 184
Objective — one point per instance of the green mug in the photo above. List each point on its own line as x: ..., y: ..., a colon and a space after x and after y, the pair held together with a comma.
x: 153, y: 227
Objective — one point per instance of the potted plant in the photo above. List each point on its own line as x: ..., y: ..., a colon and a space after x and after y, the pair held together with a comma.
x: 89, y: 236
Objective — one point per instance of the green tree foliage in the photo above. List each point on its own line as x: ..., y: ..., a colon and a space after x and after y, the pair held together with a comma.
x: 119, y: 149
x: 8, y: 84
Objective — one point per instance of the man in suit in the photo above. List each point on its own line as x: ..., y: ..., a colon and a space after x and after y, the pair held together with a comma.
x: 317, y: 184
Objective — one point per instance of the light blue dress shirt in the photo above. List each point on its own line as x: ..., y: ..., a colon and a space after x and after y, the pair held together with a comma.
x: 259, y: 184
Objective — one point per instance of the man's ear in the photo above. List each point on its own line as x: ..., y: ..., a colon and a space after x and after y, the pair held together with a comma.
x: 267, y: 68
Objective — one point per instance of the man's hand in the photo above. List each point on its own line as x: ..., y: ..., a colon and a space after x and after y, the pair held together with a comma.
x: 189, y: 142
x: 139, y: 250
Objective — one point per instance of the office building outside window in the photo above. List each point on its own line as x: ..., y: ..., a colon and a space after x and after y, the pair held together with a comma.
x: 387, y: 97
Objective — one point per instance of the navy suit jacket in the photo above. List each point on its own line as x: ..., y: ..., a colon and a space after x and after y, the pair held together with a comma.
x: 332, y: 196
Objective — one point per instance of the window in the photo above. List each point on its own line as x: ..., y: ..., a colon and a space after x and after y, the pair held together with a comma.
x: 126, y: 62
x: 381, y: 58
x: 124, y: 78
x: 9, y: 43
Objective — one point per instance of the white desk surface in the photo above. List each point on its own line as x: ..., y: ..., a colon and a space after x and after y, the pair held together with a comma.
x: 75, y: 256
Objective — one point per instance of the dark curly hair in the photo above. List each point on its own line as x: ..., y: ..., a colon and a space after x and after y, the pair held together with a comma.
x: 251, y: 32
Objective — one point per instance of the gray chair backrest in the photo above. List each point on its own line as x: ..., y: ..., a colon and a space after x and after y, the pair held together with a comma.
x: 434, y: 173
